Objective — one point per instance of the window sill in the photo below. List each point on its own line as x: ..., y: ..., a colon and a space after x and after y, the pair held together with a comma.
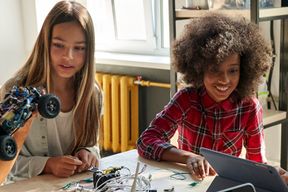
x: 133, y: 60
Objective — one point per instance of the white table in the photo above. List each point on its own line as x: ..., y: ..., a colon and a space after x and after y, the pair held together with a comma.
x: 160, y: 171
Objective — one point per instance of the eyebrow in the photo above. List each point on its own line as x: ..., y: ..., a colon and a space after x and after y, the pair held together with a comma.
x: 235, y: 64
x: 60, y: 39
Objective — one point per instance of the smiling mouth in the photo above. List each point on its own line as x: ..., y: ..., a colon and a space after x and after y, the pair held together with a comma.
x: 66, y: 66
x: 222, y: 88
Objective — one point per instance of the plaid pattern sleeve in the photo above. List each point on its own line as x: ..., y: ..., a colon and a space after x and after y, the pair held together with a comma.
x: 254, y: 137
x: 155, y: 139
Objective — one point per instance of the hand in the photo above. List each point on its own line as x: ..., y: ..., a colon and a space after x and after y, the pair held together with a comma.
x: 88, y: 160
x: 22, y: 132
x: 19, y: 136
x: 283, y: 173
x: 62, y: 166
x: 199, y: 167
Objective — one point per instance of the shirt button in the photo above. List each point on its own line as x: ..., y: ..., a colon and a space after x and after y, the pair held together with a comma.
x: 41, y: 119
x: 43, y: 137
x: 45, y: 155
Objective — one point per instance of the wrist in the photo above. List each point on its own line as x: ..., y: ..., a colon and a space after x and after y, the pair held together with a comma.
x: 79, y: 149
x: 47, y: 168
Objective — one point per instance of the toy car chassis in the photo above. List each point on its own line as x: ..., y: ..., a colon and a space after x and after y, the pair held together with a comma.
x: 16, y: 108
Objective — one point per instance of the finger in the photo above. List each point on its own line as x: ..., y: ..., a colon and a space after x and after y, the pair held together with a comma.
x: 196, y: 169
x: 211, y: 170
x: 206, y: 167
x: 94, y: 162
x: 196, y: 177
x: 201, y: 169
x: 73, y: 160
x: 281, y: 171
x: 89, y: 160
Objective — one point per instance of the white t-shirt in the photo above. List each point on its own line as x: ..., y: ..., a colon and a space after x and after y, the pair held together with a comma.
x: 60, y: 133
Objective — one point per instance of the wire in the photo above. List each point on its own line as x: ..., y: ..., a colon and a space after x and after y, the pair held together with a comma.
x: 179, y: 175
x: 111, y: 179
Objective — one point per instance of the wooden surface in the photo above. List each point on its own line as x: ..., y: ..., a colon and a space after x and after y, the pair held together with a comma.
x: 160, y: 171
x: 186, y: 13
x: 271, y: 116
x: 264, y: 14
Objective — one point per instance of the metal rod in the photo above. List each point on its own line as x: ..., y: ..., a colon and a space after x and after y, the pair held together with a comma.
x: 152, y: 84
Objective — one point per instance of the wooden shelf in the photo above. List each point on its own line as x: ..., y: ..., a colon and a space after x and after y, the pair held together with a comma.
x: 273, y: 117
x: 187, y: 13
x: 264, y: 14
x: 273, y: 13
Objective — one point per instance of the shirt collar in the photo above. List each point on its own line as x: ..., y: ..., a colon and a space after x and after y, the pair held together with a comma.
x: 209, y: 104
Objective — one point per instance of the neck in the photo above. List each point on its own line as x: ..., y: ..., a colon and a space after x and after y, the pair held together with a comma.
x: 62, y: 84
x: 65, y: 90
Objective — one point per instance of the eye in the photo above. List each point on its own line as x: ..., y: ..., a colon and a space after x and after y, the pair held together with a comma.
x: 57, y: 45
x: 234, y: 70
x: 213, y: 70
x: 80, y: 48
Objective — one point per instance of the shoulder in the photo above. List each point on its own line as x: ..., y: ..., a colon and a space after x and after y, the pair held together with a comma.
x: 97, y: 87
x: 187, y: 92
x: 252, y: 104
x: 98, y: 90
x: 186, y: 97
x: 99, y: 97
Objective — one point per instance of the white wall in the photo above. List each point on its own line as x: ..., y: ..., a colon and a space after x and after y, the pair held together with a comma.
x: 15, y: 40
x: 11, y: 38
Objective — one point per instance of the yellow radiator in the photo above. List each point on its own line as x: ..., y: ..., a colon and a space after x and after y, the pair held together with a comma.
x: 120, y: 120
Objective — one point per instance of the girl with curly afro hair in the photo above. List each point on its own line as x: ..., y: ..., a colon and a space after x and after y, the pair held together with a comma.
x: 222, y: 59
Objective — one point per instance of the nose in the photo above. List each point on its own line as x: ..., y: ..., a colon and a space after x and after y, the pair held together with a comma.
x: 68, y: 54
x: 223, y: 78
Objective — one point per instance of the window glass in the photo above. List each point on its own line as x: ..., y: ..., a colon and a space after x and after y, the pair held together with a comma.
x: 126, y: 26
x: 129, y: 19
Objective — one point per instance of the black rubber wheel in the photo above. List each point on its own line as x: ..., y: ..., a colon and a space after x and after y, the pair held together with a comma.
x: 8, y: 148
x: 49, y: 106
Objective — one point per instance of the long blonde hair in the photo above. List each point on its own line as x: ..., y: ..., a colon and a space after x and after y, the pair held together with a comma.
x: 36, y: 71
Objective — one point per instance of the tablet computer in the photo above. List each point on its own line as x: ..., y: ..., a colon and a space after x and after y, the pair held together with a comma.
x: 245, y: 171
x: 245, y: 187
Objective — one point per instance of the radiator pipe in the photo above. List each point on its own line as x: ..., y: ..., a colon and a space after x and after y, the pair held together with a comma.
x: 150, y: 83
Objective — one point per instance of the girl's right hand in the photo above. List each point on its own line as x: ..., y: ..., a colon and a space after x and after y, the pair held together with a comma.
x: 283, y: 173
x: 62, y: 166
x: 199, y: 167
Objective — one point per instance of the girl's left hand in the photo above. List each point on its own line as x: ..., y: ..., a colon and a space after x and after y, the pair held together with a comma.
x: 88, y: 160
x: 199, y: 167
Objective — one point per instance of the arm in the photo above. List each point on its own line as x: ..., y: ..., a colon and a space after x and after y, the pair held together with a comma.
x: 254, y: 135
x: 154, y: 141
x: 19, y: 136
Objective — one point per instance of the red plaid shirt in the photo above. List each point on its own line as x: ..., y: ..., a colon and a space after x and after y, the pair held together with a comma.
x: 201, y: 122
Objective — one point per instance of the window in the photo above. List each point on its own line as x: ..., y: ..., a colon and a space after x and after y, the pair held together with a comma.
x: 129, y: 26
x: 124, y: 26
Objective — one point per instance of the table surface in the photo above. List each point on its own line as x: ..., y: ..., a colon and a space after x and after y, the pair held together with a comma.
x: 160, y: 172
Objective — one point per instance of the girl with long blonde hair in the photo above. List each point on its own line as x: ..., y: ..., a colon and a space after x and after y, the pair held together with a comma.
x: 62, y: 61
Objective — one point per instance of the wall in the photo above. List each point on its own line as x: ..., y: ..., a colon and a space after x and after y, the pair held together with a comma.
x: 11, y: 37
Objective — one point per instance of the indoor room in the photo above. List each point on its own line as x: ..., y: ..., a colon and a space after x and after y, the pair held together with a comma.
x: 143, y: 95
